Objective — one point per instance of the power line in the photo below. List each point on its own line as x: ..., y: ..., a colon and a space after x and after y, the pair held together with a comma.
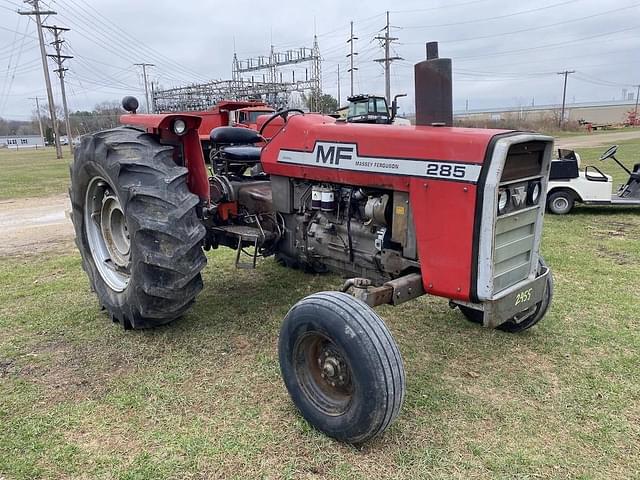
x: 530, y: 29
x: 550, y: 45
x: 84, y: 11
x: 486, y: 19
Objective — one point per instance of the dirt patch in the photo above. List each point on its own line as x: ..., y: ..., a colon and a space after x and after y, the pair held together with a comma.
x: 614, y: 230
x: 619, y: 258
x: 34, y: 225
x: 67, y: 371
x: 597, y: 140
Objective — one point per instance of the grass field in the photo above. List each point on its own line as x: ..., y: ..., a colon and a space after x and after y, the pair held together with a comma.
x: 32, y: 173
x: 202, y: 398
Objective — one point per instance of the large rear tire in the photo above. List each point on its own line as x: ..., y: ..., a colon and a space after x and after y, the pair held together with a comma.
x: 341, y: 366
x: 136, y: 227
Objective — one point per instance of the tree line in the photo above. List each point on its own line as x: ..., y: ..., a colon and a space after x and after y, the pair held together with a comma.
x: 103, y: 116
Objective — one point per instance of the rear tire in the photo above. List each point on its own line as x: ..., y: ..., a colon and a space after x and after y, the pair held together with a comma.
x: 560, y: 203
x: 136, y: 227
x: 341, y: 366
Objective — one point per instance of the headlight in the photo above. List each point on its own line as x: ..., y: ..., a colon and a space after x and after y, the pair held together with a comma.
x: 179, y: 127
x: 533, y: 193
x: 503, y: 200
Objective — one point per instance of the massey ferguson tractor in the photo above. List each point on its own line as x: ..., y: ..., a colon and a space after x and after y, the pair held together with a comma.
x: 398, y: 211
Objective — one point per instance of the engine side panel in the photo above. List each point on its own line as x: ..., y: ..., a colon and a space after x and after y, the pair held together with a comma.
x: 438, y: 167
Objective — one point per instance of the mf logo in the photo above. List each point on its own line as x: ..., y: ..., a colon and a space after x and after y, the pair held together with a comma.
x: 519, y: 196
x: 333, y: 153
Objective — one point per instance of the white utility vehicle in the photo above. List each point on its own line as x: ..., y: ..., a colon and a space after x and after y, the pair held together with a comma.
x: 568, y: 184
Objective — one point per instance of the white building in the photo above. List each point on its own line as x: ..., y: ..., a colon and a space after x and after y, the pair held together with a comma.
x: 21, y: 141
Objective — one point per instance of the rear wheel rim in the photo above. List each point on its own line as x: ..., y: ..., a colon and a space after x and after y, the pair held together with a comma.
x: 107, y: 234
x: 323, y: 373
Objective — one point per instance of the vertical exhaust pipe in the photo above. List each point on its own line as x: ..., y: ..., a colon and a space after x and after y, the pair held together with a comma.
x: 433, y: 81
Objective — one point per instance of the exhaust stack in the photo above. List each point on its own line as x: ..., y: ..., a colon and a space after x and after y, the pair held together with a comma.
x: 433, y: 80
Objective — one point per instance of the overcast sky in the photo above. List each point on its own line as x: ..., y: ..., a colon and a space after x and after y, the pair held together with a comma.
x: 505, y: 53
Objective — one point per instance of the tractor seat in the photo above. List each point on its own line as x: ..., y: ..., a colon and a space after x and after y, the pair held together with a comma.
x: 636, y: 167
x: 241, y: 154
x: 234, y: 136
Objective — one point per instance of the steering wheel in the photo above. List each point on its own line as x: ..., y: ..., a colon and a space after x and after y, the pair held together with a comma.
x: 282, y: 113
x: 611, y: 151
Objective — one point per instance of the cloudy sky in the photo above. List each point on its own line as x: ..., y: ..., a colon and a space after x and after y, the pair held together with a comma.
x: 505, y: 53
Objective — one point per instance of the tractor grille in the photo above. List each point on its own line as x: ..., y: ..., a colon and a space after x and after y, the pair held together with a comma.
x: 514, y: 244
x: 515, y: 230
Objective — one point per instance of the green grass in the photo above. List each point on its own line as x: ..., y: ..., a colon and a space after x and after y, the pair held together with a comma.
x: 32, y: 173
x: 203, y: 398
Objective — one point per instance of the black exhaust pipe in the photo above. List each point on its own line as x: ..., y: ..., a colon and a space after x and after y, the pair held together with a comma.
x: 434, y: 97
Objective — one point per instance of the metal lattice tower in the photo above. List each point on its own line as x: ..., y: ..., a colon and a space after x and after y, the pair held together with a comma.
x: 316, y: 75
x: 251, y: 79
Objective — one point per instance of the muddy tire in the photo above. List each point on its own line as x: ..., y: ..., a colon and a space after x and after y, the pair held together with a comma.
x: 561, y: 202
x: 511, y: 326
x: 341, y: 366
x: 136, y: 227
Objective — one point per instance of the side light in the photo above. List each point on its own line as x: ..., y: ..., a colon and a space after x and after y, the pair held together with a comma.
x: 179, y: 127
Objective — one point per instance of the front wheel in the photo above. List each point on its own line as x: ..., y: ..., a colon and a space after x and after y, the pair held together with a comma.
x: 560, y: 203
x: 341, y: 366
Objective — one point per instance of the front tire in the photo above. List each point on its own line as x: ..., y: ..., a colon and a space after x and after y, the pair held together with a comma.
x: 560, y: 203
x: 341, y: 366
x: 136, y: 227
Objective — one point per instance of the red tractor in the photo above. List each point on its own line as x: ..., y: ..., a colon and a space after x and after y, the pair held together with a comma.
x: 399, y: 211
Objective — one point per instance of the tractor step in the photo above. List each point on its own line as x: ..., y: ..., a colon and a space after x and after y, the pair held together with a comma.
x: 246, y: 237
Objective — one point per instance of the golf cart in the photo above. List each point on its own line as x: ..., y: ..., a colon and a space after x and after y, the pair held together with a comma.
x: 568, y: 184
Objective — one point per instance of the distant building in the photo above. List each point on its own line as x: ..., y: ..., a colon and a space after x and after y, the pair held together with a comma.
x: 611, y: 112
x: 21, y: 141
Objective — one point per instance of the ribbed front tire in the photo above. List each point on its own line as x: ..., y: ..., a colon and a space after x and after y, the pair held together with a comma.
x: 341, y: 366
x: 136, y: 227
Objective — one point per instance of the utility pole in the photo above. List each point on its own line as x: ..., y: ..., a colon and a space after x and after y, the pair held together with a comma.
x: 39, y: 118
x: 338, y: 85
x: 59, y: 59
x: 52, y: 108
x: 146, y: 85
x: 636, y: 109
x: 350, y: 56
x: 387, y: 39
x: 564, y: 94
